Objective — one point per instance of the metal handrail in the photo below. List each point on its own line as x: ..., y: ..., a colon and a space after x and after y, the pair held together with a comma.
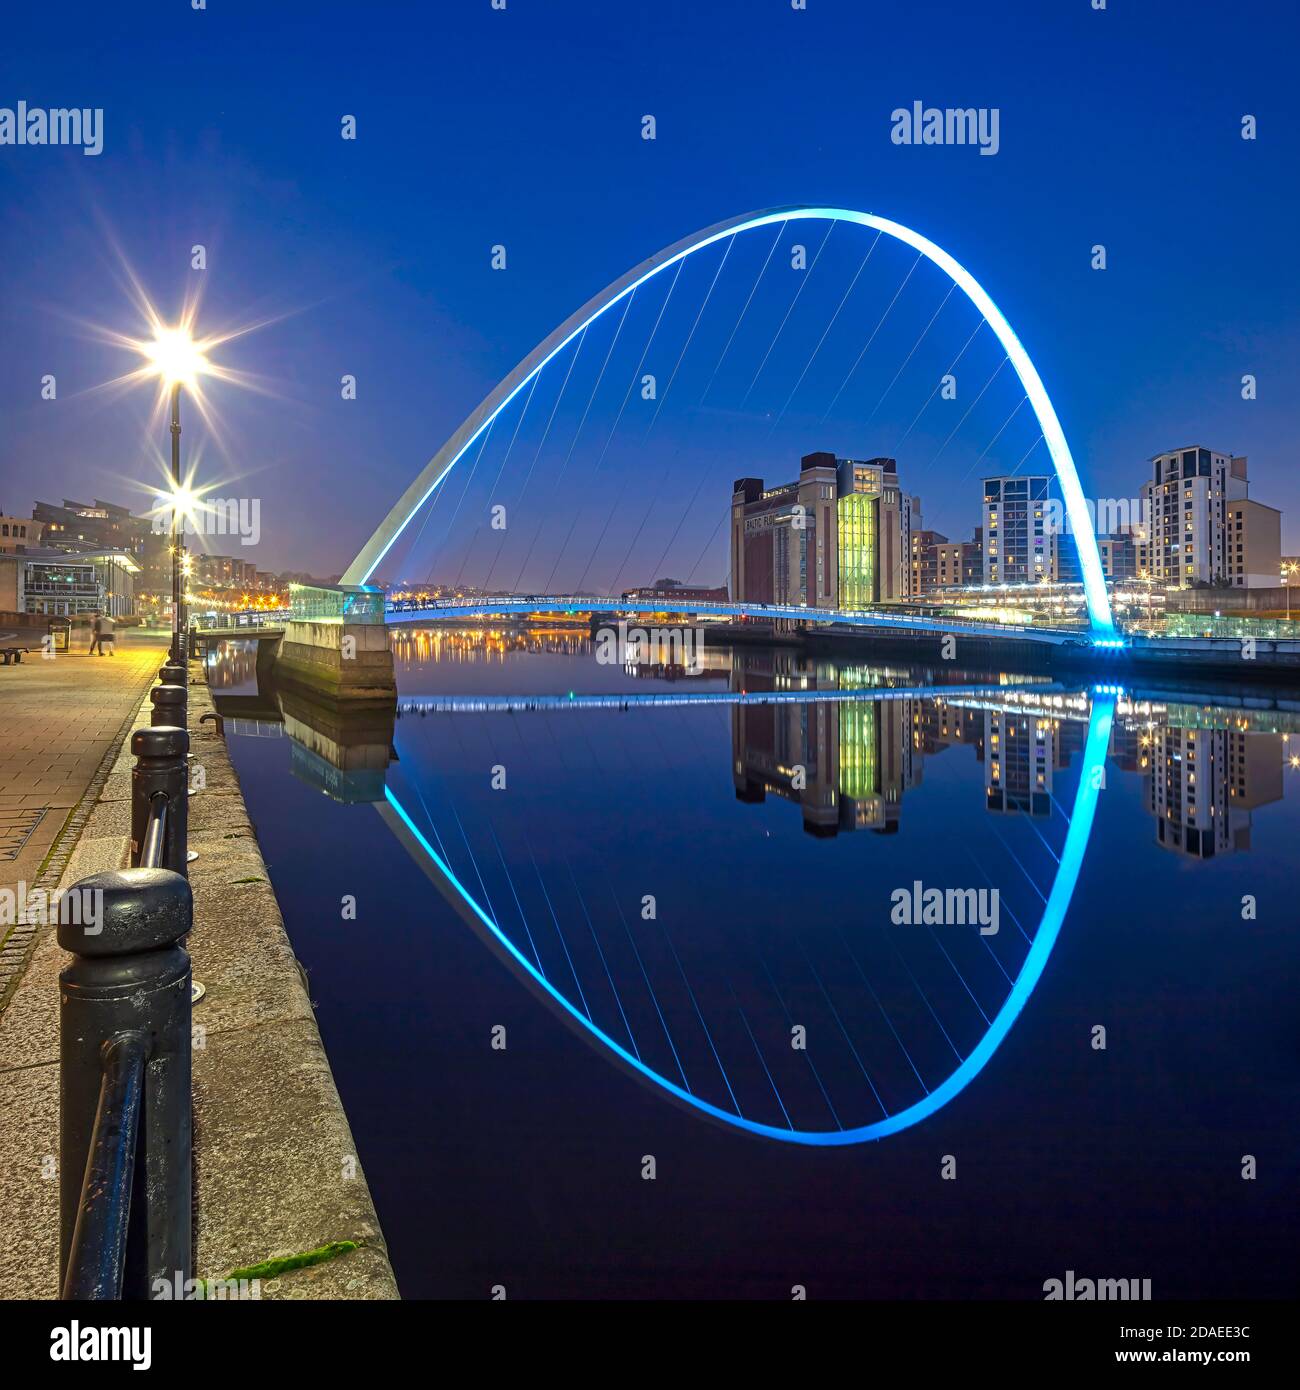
x: 125, y: 1123
x: 97, y: 1259
x: 155, y: 835
x: 159, y: 832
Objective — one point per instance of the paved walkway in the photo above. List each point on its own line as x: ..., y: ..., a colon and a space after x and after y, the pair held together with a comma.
x: 60, y: 719
x: 276, y: 1167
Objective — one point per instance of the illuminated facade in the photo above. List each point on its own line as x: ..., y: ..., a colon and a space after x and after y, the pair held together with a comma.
x: 856, y: 515
x: 838, y: 537
x: 1017, y: 539
x: 938, y: 563
x: 59, y: 584
x: 1204, y: 528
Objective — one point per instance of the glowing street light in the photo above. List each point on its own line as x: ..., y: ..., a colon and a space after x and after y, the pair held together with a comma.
x: 1289, y: 572
x: 177, y: 360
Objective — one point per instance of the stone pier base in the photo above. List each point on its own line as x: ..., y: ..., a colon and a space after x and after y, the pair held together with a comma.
x: 341, y: 660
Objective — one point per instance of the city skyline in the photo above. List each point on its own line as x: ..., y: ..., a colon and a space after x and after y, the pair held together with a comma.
x: 880, y: 550
x: 349, y: 293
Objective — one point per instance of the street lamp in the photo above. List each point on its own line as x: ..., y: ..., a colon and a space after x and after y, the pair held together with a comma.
x: 1145, y: 576
x: 1292, y: 569
x: 177, y: 360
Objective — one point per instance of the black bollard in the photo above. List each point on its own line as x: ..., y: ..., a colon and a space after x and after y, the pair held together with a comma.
x: 168, y: 706
x: 160, y: 770
x: 172, y: 674
x: 124, y: 1086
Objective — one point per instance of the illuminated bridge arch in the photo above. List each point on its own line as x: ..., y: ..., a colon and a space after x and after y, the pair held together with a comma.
x: 419, y: 492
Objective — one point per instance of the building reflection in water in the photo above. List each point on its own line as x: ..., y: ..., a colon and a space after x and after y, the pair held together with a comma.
x: 1202, y: 782
x: 417, y: 647
x: 848, y: 766
x: 1205, y: 768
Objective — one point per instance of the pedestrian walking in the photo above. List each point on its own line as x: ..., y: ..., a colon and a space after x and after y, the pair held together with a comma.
x: 106, y: 635
x: 96, y: 636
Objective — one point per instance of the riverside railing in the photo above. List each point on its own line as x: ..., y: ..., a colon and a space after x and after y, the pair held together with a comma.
x: 125, y: 1040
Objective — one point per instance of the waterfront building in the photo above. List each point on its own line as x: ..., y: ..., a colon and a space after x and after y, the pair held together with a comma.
x: 839, y: 536
x: 1063, y: 563
x: 1204, y: 529
x: 959, y: 562
x: 1120, y: 557
x: 156, y: 564
x: 223, y: 572
x: 925, y: 561
x: 670, y: 591
x: 1253, y: 544
x: 213, y: 571
x: 1017, y: 530
x: 64, y: 584
x: 79, y: 527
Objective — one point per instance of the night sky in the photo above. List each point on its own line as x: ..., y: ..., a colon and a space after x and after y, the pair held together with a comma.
x: 523, y: 127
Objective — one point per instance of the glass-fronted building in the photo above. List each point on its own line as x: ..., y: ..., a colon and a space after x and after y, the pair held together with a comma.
x: 59, y: 584
x: 837, y: 537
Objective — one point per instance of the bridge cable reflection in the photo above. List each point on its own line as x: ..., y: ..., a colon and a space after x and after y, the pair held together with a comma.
x: 484, y: 920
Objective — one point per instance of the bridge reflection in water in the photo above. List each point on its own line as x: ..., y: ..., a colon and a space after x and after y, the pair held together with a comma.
x: 783, y: 1022
x: 812, y: 1038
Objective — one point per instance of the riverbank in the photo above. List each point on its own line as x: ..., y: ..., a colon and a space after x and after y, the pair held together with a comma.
x: 276, y: 1170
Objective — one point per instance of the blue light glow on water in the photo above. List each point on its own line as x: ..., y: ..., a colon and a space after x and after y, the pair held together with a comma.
x: 769, y: 995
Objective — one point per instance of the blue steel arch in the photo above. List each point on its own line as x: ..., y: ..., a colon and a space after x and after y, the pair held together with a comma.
x: 419, y: 492
x: 1058, y: 901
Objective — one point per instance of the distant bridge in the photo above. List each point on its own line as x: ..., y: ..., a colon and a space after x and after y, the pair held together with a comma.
x: 574, y: 605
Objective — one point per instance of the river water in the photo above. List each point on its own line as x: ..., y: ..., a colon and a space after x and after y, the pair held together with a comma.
x: 795, y: 971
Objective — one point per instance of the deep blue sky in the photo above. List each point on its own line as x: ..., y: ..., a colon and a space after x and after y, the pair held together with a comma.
x: 523, y: 127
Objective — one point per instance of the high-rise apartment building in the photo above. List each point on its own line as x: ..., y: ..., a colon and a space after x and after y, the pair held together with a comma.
x: 1017, y: 529
x: 1187, y: 501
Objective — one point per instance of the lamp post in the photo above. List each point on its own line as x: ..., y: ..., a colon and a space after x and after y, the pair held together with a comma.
x: 177, y: 360
x: 179, y: 656
x: 1145, y: 577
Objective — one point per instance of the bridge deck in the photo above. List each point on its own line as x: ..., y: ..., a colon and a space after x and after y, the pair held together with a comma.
x: 895, y: 622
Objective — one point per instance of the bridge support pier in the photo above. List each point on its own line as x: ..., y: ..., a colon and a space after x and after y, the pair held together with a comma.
x: 336, y: 644
x: 345, y: 661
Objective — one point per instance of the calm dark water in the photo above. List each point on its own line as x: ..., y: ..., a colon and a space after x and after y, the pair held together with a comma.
x: 687, y: 920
